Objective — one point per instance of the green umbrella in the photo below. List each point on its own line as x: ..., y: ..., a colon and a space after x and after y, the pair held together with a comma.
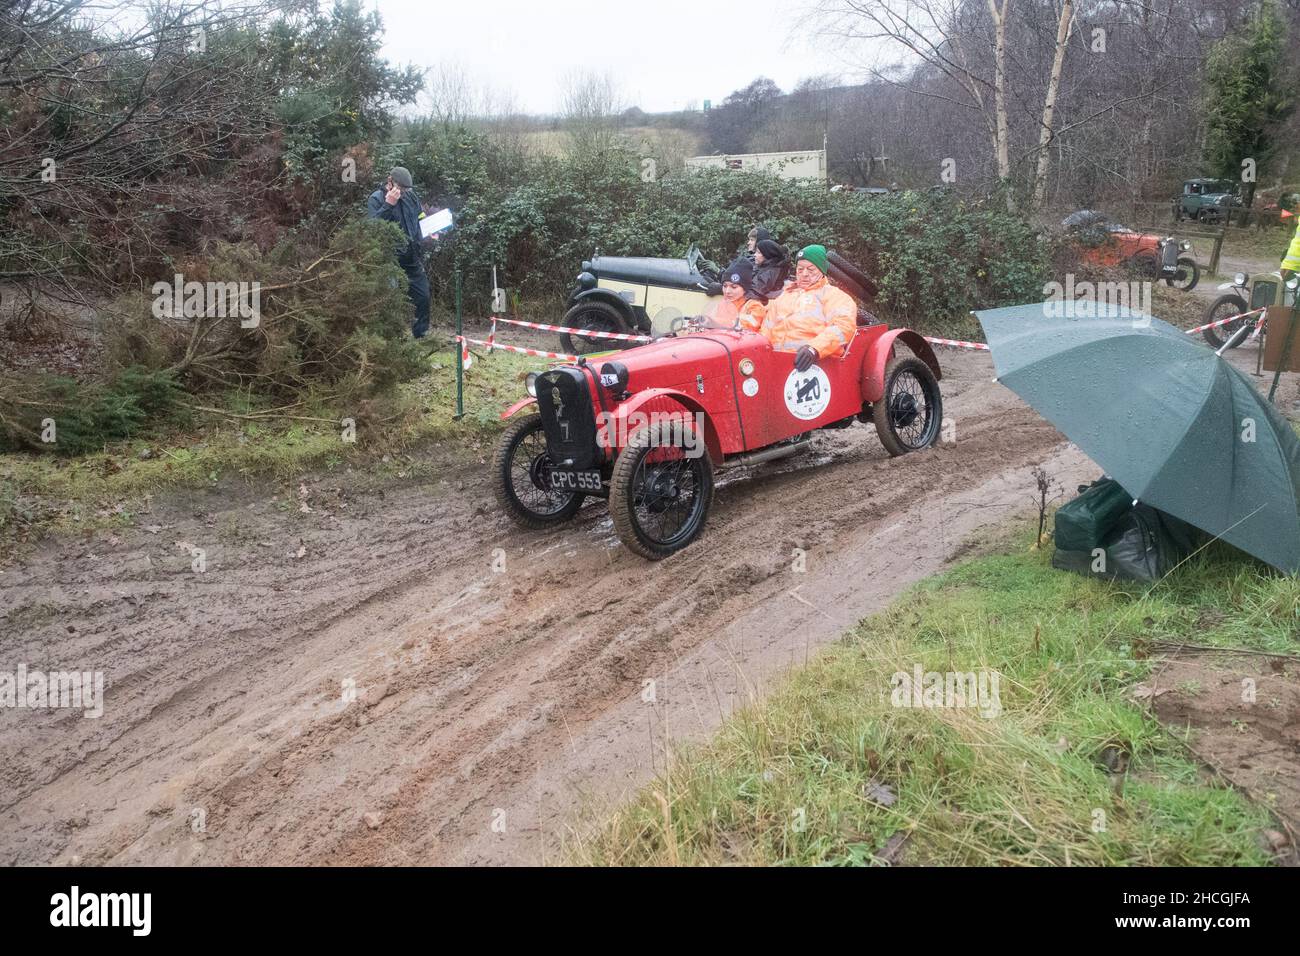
x: 1176, y: 425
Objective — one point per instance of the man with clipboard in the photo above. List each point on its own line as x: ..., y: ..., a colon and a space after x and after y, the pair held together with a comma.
x: 397, y: 202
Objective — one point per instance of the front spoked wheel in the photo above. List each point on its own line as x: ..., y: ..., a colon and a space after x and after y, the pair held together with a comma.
x: 1224, y: 307
x: 521, y: 467
x: 909, y: 416
x: 1188, y: 274
x: 661, y: 490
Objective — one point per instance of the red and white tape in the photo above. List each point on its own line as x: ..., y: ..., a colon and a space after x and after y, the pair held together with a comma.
x: 466, y: 342
x: 585, y: 333
x: 957, y: 343
x: 1259, y: 327
x: 950, y: 343
x: 1231, y: 318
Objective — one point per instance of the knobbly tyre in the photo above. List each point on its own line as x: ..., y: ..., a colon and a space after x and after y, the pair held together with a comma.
x: 649, y: 430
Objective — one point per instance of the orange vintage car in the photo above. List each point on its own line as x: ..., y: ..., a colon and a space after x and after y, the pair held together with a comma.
x: 1103, y: 242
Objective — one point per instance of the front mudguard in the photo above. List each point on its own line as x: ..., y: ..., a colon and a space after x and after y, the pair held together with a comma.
x: 647, y: 403
x: 882, y: 350
x: 518, y: 407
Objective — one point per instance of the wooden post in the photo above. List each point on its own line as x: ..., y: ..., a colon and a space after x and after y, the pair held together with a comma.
x: 1213, y: 267
x: 1285, y: 359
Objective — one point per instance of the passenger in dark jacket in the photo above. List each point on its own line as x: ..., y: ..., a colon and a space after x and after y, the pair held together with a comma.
x: 397, y: 202
x: 756, y: 235
x: 771, y: 269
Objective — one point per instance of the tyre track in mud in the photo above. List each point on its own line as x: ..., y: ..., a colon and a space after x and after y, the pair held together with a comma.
x: 480, y: 697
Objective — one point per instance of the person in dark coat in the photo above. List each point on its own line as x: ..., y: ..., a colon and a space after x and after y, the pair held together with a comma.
x: 771, y: 269
x: 397, y: 202
x: 756, y: 235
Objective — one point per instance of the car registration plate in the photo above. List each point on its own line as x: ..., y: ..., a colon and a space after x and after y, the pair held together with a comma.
x: 586, y: 480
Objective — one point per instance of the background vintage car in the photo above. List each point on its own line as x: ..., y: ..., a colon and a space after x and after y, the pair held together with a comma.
x: 1206, y: 200
x: 1105, y: 243
x: 1245, y: 293
x: 632, y: 293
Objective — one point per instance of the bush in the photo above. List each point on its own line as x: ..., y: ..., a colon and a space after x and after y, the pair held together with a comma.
x: 333, y: 332
x: 82, y: 417
x: 935, y: 256
x: 333, y: 324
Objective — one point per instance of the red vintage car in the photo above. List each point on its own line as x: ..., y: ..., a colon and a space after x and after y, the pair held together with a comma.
x: 1104, y: 242
x: 648, y: 430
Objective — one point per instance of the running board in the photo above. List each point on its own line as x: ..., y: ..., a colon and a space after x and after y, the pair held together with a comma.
x: 768, y: 454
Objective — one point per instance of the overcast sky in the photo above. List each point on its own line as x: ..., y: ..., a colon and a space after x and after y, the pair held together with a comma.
x: 663, y: 53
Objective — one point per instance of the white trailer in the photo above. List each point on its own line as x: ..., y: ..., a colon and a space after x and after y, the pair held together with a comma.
x: 808, y: 165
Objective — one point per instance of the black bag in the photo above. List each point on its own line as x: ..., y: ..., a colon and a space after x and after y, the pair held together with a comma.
x: 1083, y: 523
x: 1136, y: 542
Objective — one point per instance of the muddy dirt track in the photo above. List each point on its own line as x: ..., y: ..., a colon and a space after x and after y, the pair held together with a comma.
x: 351, y: 681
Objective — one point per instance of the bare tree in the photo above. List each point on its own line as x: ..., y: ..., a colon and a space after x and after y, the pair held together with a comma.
x: 102, y: 105
x: 1001, y: 143
x: 1065, y: 25
x: 949, y: 40
x: 590, y: 105
x: 450, y: 96
x: 1013, y: 73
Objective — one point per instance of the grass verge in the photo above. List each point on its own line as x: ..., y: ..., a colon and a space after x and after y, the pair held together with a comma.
x: 44, y: 493
x: 1072, y: 771
x: 1268, y: 244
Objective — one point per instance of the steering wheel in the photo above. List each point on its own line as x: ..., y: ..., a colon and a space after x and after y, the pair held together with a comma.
x: 685, y: 323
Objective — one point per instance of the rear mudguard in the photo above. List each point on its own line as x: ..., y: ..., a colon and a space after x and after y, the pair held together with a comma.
x: 659, y: 400
x: 882, y: 350
x: 610, y: 298
x: 518, y: 407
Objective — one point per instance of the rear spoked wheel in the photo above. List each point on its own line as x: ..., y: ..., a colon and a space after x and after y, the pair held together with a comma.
x: 661, y: 490
x: 597, y: 317
x: 522, y: 467
x: 909, y: 416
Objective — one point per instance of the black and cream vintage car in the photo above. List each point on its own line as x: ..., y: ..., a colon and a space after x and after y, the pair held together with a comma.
x: 637, y: 294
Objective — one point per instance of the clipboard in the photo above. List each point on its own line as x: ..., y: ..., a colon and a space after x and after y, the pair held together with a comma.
x: 436, y: 222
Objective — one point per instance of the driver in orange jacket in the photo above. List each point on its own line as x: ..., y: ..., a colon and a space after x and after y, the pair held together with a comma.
x: 812, y: 318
